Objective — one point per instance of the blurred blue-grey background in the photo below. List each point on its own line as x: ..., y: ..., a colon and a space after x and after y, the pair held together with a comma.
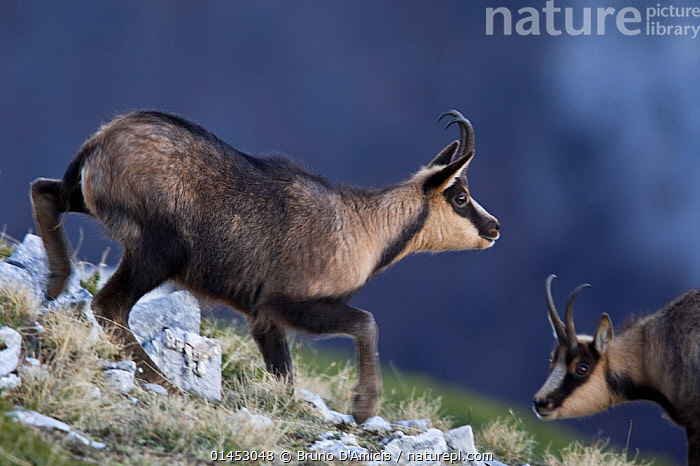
x: 588, y: 152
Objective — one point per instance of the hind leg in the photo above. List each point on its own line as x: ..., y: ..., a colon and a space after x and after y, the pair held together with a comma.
x: 48, y: 206
x: 113, y: 303
x: 693, y: 445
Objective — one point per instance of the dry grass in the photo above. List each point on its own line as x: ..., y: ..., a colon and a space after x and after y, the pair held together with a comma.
x: 19, y: 308
x: 7, y: 246
x: 146, y: 428
x: 591, y: 455
x: 507, y: 438
x: 143, y: 428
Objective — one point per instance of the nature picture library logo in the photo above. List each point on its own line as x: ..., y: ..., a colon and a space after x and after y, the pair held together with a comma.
x: 653, y: 20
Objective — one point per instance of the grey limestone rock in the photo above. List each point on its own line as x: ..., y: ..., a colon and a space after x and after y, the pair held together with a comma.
x: 35, y: 419
x: 10, y: 348
x: 123, y: 381
x: 155, y: 388
x: 30, y: 258
x: 420, y: 425
x: 345, y: 443
x: 432, y: 441
x: 9, y: 382
x: 27, y: 268
x: 188, y: 360
x: 176, y: 310
x: 128, y: 366
x: 326, y: 413
x: 33, y: 368
x: 377, y: 424
x: 462, y: 439
x: 257, y: 419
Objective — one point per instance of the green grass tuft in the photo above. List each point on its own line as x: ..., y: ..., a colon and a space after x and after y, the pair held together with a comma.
x: 91, y: 284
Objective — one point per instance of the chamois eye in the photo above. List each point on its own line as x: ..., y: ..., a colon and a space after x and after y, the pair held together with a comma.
x: 582, y: 369
x: 461, y: 199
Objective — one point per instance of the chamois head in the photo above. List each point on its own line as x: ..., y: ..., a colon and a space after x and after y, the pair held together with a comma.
x: 576, y: 384
x: 455, y: 220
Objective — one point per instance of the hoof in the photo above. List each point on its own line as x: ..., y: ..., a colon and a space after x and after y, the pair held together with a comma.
x: 364, y: 406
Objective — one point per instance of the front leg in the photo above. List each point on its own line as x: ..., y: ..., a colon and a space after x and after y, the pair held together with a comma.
x: 272, y: 342
x: 333, y: 316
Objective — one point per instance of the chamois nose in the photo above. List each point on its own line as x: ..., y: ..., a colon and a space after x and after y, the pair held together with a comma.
x: 492, y: 228
x: 541, y: 405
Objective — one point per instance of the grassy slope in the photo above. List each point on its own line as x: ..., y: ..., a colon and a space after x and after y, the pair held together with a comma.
x: 461, y: 406
x: 151, y: 429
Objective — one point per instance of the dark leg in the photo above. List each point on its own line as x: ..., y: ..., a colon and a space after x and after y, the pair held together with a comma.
x: 47, y: 205
x: 114, y: 301
x: 693, y: 446
x: 272, y: 341
x: 333, y: 316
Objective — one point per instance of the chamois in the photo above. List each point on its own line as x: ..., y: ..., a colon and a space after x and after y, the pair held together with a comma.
x: 263, y: 235
x: 657, y: 358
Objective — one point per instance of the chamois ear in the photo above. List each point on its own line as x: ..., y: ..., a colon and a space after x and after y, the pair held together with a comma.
x: 604, y: 334
x: 445, y: 155
x: 447, y: 176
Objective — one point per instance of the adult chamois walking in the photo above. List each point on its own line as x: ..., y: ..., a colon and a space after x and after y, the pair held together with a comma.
x: 657, y: 358
x: 263, y: 235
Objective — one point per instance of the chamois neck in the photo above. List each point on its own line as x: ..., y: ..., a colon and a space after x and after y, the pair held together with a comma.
x: 626, y: 361
x: 628, y: 373
x: 387, y: 221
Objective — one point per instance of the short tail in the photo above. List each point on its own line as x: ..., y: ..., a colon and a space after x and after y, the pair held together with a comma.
x: 70, y: 187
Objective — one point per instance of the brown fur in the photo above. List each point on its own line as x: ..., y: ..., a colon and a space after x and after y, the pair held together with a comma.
x: 263, y: 235
x: 655, y: 358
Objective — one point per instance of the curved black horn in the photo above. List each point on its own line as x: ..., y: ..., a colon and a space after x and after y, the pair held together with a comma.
x: 466, y: 132
x: 553, y: 316
x: 569, y: 314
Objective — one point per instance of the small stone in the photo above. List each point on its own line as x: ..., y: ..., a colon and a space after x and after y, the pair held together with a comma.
x: 340, y: 418
x: 323, y: 410
x: 432, y: 441
x: 415, y: 424
x: 128, y: 366
x: 257, y: 419
x: 10, y: 348
x: 462, y: 439
x: 377, y: 424
x: 77, y: 438
x: 347, y: 443
x: 123, y: 381
x: 33, y: 369
x: 155, y: 388
x: 35, y: 419
x: 9, y: 382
